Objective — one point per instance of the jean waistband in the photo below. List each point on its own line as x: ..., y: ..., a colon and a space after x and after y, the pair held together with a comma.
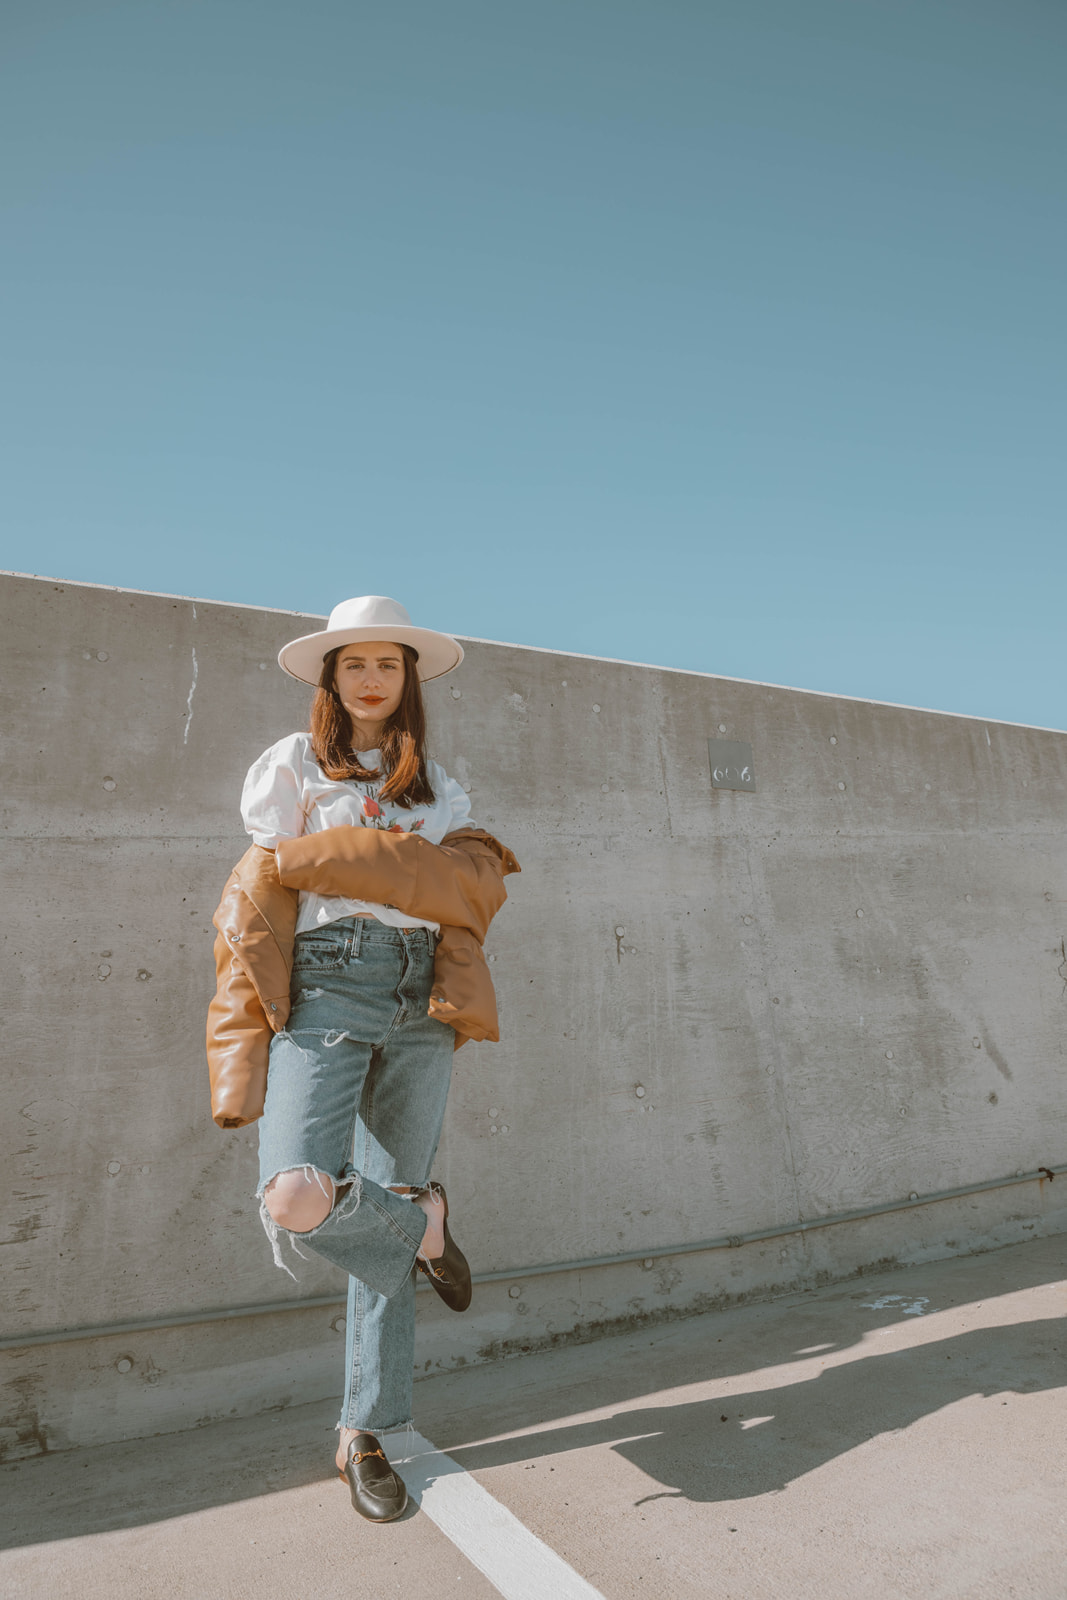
x: 370, y: 928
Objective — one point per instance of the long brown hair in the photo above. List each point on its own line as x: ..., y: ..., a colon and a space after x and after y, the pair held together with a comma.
x: 403, y: 743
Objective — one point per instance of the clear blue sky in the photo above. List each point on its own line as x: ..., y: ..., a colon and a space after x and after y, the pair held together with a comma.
x: 727, y: 336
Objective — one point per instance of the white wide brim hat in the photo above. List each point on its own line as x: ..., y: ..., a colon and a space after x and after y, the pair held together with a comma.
x: 369, y: 616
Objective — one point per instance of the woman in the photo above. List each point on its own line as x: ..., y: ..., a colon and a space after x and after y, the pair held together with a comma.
x: 365, y: 860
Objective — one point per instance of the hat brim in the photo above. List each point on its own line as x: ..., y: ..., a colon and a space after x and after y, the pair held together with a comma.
x: 438, y: 652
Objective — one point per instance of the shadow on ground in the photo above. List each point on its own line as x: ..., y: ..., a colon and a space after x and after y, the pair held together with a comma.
x: 759, y: 1441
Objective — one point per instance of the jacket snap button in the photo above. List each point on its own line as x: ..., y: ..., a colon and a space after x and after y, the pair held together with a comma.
x: 273, y: 1006
x: 235, y: 938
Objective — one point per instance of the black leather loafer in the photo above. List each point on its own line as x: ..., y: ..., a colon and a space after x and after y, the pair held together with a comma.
x: 377, y: 1493
x: 449, y: 1274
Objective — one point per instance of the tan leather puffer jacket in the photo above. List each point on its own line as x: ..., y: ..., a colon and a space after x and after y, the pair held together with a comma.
x: 459, y: 884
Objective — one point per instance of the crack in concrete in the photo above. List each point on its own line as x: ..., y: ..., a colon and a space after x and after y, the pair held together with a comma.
x: 189, y: 702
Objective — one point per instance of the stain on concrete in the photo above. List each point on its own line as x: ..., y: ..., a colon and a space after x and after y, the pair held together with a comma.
x: 995, y: 1056
x: 25, y: 1229
x: 22, y: 1433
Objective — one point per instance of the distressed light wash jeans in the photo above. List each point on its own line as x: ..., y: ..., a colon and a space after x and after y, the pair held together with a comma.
x: 357, y: 1088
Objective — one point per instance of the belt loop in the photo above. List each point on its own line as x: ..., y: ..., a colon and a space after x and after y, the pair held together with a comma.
x: 355, y: 938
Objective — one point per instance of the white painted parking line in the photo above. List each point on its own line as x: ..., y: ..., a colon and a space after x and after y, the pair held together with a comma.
x: 513, y: 1559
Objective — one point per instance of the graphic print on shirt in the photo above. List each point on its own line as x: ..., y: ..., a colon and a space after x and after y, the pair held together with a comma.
x: 374, y: 817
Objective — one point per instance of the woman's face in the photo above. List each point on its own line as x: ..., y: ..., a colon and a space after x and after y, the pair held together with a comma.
x: 370, y: 682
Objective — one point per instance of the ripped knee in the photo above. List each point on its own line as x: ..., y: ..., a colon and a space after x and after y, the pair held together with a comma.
x: 300, y: 1199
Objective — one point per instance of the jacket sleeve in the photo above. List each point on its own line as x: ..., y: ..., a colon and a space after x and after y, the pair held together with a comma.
x: 459, y: 883
x: 256, y: 920
x: 463, y: 994
x: 238, y: 1043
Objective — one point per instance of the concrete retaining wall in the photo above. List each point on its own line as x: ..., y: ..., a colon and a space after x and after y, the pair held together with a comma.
x: 724, y: 1012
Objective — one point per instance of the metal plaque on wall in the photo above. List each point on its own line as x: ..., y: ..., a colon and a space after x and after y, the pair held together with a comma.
x: 731, y: 764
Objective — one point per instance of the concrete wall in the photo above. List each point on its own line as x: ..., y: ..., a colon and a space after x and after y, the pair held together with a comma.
x: 723, y: 1012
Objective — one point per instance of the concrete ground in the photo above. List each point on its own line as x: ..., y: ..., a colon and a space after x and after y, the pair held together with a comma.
x: 902, y: 1434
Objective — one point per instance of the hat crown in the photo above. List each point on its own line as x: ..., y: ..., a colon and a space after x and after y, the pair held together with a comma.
x: 368, y: 611
x: 370, y: 617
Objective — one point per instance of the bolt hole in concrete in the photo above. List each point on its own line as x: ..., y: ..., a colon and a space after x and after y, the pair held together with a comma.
x: 514, y: 1292
x: 596, y: 708
x: 110, y: 784
x: 114, y: 1168
x: 640, y: 1091
x: 124, y: 1364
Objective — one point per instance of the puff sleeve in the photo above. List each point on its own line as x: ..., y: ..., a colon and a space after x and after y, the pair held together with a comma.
x: 459, y: 802
x: 272, y: 800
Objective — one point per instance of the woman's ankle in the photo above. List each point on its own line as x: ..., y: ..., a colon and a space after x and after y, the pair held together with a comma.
x: 433, y: 1209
